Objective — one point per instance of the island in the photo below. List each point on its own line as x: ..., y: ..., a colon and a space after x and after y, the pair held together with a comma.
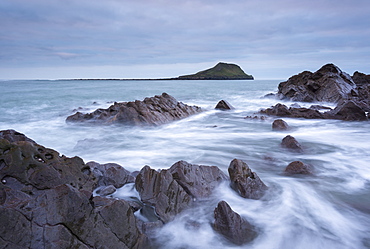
x: 222, y: 71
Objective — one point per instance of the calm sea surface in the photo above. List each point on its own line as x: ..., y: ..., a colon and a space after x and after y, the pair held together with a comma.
x: 328, y: 210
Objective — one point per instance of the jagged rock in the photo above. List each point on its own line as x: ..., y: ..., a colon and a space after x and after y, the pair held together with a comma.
x: 232, y: 226
x: 291, y: 143
x: 298, y: 167
x: 279, y: 125
x: 46, y: 202
x: 224, y: 105
x: 293, y: 112
x: 244, y: 181
x: 349, y: 111
x: 328, y: 84
x: 161, y: 190
x: 111, y: 174
x: 156, y: 110
x: 14, y: 136
x: 197, y: 180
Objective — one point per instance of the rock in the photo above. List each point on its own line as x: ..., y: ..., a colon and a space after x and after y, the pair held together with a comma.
x: 111, y: 174
x: 298, y: 167
x: 153, y: 111
x: 106, y: 190
x: 291, y: 143
x: 46, y: 202
x: 224, y: 105
x: 14, y: 136
x: 197, y: 180
x: 244, y: 181
x: 233, y: 227
x: 161, y: 190
x: 349, y: 111
x: 293, y: 112
x: 328, y: 84
x: 279, y: 125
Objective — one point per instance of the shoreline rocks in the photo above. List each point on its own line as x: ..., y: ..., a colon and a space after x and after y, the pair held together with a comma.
x: 157, y: 110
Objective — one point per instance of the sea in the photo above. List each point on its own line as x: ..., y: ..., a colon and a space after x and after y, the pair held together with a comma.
x: 329, y: 209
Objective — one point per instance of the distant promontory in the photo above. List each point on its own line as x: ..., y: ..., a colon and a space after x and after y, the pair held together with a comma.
x: 222, y: 71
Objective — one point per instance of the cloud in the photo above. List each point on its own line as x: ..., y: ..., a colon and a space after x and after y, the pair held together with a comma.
x: 142, y: 32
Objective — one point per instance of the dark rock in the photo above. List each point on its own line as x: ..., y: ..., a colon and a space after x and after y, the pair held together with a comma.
x: 14, y: 136
x: 328, y: 84
x: 46, y: 202
x: 244, y: 181
x: 161, y: 190
x: 349, y: 111
x: 298, y: 167
x: 224, y: 105
x: 293, y: 112
x: 156, y: 110
x: 197, y: 180
x: 233, y: 227
x: 291, y: 143
x: 279, y: 125
x: 111, y: 174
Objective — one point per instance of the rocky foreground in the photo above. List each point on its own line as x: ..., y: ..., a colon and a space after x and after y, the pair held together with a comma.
x: 327, y: 85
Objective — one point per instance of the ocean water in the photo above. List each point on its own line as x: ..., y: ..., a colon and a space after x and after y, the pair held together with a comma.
x: 330, y: 209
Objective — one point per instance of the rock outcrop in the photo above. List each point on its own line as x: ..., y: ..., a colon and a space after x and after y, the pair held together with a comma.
x: 232, y: 226
x: 157, y: 110
x: 46, y: 202
x: 328, y: 84
x: 244, y: 181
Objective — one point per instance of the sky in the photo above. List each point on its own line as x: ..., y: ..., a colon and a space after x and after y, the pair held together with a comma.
x: 270, y: 39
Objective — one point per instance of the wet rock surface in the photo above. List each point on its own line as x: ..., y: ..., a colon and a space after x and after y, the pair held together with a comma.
x: 245, y: 182
x: 289, y: 142
x: 232, y: 226
x: 280, y: 125
x: 157, y: 110
x: 298, y: 167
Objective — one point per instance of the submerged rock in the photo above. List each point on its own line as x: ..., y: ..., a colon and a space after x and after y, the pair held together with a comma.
x: 224, y: 105
x: 291, y: 143
x: 156, y: 110
x: 279, y: 125
x: 298, y: 167
x: 46, y: 201
x: 244, y: 181
x: 232, y: 226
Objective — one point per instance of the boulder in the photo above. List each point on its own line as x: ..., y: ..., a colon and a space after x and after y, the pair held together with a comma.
x: 291, y: 143
x: 244, y: 181
x: 298, y: 167
x: 163, y: 192
x: 111, y: 174
x: 328, y: 84
x: 197, y: 180
x: 46, y: 202
x: 293, y: 112
x: 348, y: 111
x: 232, y: 226
x: 153, y: 111
x: 224, y: 105
x: 279, y: 125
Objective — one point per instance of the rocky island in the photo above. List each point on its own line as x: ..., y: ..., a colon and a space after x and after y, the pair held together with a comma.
x: 222, y: 71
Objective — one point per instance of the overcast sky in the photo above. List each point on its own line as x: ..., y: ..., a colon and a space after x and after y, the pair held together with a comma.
x: 270, y: 39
